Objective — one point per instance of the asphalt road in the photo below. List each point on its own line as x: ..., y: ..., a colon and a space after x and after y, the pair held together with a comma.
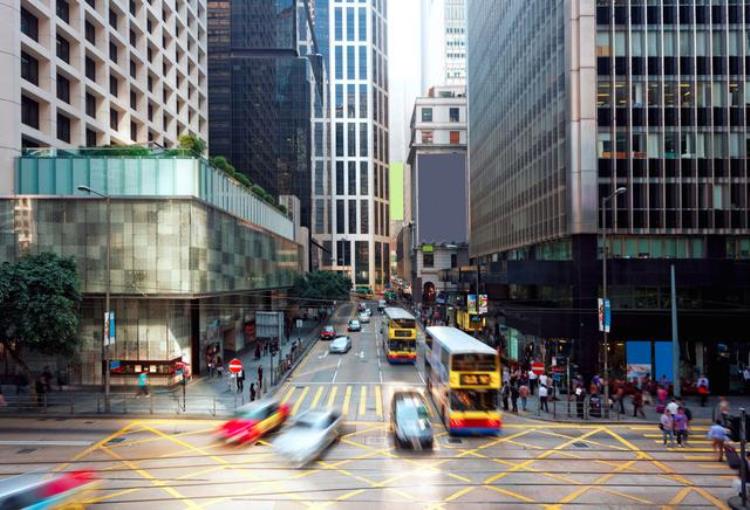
x: 175, y: 463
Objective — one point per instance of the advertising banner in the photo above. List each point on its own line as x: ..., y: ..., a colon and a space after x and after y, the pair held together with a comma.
x: 483, y: 304
x: 471, y: 304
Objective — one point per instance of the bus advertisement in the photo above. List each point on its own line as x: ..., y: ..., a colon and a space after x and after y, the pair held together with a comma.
x: 463, y: 379
x: 399, y: 336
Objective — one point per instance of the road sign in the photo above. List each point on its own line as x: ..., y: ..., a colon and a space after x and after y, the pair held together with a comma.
x: 235, y: 366
x: 537, y: 367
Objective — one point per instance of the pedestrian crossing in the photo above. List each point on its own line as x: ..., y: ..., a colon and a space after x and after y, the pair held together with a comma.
x: 364, y: 402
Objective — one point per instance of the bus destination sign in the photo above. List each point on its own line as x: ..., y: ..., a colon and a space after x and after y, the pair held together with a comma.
x: 475, y: 379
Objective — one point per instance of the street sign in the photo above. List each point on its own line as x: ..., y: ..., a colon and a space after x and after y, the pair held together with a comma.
x: 537, y: 367
x: 109, y: 323
x: 235, y: 366
x: 114, y: 364
x: 604, y: 312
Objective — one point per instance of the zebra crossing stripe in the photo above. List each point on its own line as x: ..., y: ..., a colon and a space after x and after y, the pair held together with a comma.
x: 332, y: 396
x: 288, y: 395
x: 362, y: 400
x: 299, y: 401
x: 378, y: 401
x: 347, y: 399
x: 316, y: 399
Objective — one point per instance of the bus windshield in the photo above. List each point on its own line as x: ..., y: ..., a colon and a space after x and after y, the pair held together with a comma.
x: 472, y: 400
x: 404, y: 323
x: 474, y: 363
x: 402, y: 346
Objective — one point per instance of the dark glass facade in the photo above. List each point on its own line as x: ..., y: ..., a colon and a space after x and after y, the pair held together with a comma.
x: 266, y: 84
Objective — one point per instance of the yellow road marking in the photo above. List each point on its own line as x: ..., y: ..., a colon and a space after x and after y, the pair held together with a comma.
x: 299, y: 401
x: 459, y: 477
x: 95, y: 446
x: 458, y: 494
x: 288, y: 395
x: 362, y: 400
x: 185, y: 445
x: 349, y: 495
x: 332, y: 396
x: 378, y: 401
x: 509, y: 493
x: 317, y: 396
x: 347, y: 398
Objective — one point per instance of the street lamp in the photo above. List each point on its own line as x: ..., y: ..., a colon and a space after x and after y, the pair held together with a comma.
x: 105, y: 335
x: 618, y: 191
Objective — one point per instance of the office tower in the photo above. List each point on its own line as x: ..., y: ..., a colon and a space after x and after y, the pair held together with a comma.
x: 267, y: 85
x: 357, y: 54
x: 571, y: 103
x: 100, y: 72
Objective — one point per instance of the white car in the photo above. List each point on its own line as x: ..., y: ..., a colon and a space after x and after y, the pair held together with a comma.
x: 364, y: 318
x: 309, y: 434
x: 341, y: 345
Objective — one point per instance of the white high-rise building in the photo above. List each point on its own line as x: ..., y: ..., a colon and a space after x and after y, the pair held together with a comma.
x: 100, y: 72
x: 455, y: 42
x: 357, y: 240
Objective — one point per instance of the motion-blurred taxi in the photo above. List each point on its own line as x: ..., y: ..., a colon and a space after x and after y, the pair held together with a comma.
x: 328, y: 333
x: 40, y: 491
x: 252, y: 421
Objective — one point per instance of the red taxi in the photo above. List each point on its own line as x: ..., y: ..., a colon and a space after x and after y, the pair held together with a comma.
x: 253, y: 421
x: 328, y: 333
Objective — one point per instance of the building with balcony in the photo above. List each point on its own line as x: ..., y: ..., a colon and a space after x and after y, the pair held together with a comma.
x: 100, y: 72
x: 194, y: 254
x: 570, y: 101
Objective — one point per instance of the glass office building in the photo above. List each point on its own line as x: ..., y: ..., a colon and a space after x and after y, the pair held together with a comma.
x: 354, y: 233
x: 267, y: 85
x: 191, y: 252
x: 583, y: 98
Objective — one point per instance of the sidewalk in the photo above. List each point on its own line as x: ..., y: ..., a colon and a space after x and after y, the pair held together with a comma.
x: 204, y: 396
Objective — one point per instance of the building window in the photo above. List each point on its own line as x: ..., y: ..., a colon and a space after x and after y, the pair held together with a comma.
x: 363, y: 146
x: 132, y: 7
x: 90, y: 69
x: 364, y: 217
x: 113, y: 86
x: 426, y: 136
x: 339, y: 177
x: 133, y: 131
x: 63, y: 10
x: 363, y: 178
x: 453, y: 114
x: 454, y: 260
x: 362, y: 265
x: 63, y: 88
x: 426, y: 114
x: 363, y: 101
x: 352, y: 216
x: 339, y: 139
x: 90, y: 105
x: 350, y: 24
x: 428, y: 259
x: 29, y: 24
x: 351, y: 177
x: 351, y: 141
x: 340, y: 217
x: 133, y: 39
x: 150, y: 112
x: 339, y: 64
x: 63, y: 128
x: 114, y: 119
x: 113, y: 52
x: 29, y: 68
x: 92, y: 3
x: 362, y: 24
x: 113, y: 19
x: 133, y: 100
x: 350, y: 67
x: 90, y: 138
x: 90, y: 31
x: 455, y: 137
x: 29, y: 112
x: 133, y: 69
x: 63, y: 49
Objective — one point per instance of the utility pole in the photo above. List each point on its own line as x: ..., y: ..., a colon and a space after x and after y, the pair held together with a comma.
x: 675, y: 339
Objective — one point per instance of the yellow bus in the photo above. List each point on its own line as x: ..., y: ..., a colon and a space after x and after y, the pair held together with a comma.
x: 399, y: 336
x: 463, y: 379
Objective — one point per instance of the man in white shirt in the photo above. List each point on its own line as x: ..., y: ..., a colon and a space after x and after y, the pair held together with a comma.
x: 672, y: 407
x: 543, y: 380
x: 532, y: 381
x: 543, y: 397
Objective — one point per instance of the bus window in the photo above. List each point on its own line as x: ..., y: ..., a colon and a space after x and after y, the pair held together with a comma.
x: 401, y: 346
x: 405, y: 323
x: 471, y: 400
x: 474, y: 363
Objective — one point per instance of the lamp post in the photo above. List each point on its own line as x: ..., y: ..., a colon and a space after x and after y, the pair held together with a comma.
x: 618, y: 191
x: 105, y: 335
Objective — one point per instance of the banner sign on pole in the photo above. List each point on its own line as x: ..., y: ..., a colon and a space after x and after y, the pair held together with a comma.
x: 483, y: 309
x: 605, y: 314
x: 109, y: 322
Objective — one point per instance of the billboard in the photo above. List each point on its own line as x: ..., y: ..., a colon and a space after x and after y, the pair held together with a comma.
x: 483, y: 309
x: 441, y: 198
x: 471, y: 304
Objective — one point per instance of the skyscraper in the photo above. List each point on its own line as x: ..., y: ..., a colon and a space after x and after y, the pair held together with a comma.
x: 637, y: 105
x: 100, y: 72
x: 267, y: 84
x: 357, y: 237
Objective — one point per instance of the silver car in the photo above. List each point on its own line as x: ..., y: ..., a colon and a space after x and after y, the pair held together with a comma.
x: 364, y: 318
x: 308, y: 435
x: 340, y: 345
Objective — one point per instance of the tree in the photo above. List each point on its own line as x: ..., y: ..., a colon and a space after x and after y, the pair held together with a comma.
x: 192, y: 143
x: 322, y: 286
x: 40, y: 300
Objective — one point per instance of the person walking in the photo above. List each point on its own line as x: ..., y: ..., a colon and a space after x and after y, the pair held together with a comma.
x: 543, y: 392
x: 514, y: 393
x: 142, y: 385
x: 252, y: 392
x: 40, y: 390
x: 666, y: 425
x: 219, y: 366
x: 260, y: 377
x: 241, y: 380
x: 620, y: 398
x: 722, y: 411
x: 47, y: 379
x: 638, y: 404
x: 718, y: 435
x: 703, y: 389
x: 680, y: 426
x: 672, y: 407
x: 533, y: 379
x: 580, y: 397
x: 523, y: 392
x: 504, y: 394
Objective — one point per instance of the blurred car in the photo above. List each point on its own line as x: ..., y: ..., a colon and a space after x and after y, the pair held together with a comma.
x: 252, y: 421
x: 39, y: 490
x: 361, y: 307
x: 381, y: 305
x: 309, y: 434
x: 328, y: 333
x: 354, y: 325
x: 410, y: 420
x: 364, y: 318
x: 341, y: 345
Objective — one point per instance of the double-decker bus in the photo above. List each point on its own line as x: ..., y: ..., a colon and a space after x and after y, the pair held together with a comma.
x: 399, y: 336
x: 463, y: 378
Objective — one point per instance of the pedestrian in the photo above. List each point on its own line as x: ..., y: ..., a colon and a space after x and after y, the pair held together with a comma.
x: 620, y: 398
x: 219, y: 366
x: 543, y: 397
x: 514, y: 395
x: 533, y: 379
x: 580, y: 397
x: 672, y: 407
x: 252, y: 392
x: 241, y: 380
x: 661, y: 397
x: 142, y: 385
x: 543, y: 379
x: 638, y: 404
x: 746, y: 378
x: 47, y: 379
x: 39, y: 389
x: 260, y: 377
x: 703, y: 389
x: 505, y: 393
x: 257, y: 351
x: 666, y: 425
x: 523, y: 392
x: 689, y: 415
x: 718, y: 435
x: 680, y: 426
x: 722, y: 411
